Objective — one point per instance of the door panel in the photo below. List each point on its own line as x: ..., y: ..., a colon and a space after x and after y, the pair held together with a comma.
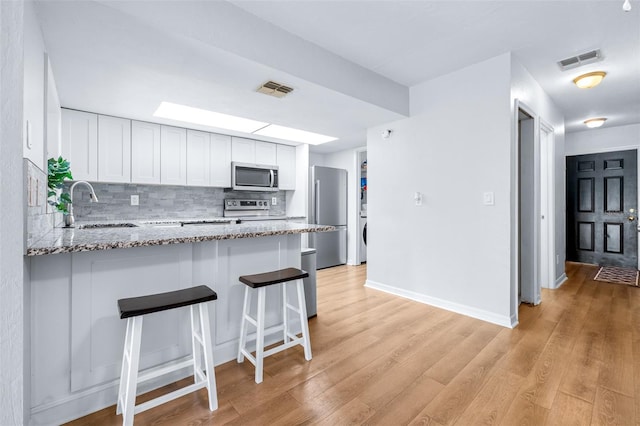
x: 330, y: 192
x: 601, y: 191
x: 331, y: 247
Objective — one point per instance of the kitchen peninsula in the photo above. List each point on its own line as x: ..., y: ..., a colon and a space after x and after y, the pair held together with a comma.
x: 77, y: 275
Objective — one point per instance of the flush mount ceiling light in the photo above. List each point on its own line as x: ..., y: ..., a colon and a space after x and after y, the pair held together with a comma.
x: 592, y: 123
x: 294, y: 135
x: 207, y: 118
x: 589, y: 80
x: 626, y: 6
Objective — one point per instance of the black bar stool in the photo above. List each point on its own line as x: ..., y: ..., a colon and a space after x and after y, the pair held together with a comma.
x: 260, y: 282
x: 134, y: 309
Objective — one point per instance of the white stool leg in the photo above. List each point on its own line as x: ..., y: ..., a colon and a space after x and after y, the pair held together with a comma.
x: 285, y: 315
x: 133, y: 348
x: 196, y: 348
x: 243, y: 324
x: 125, y: 364
x: 205, y: 333
x: 260, y: 334
x: 304, y: 324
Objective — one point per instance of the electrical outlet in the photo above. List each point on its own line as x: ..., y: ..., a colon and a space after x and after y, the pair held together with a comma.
x: 135, y: 200
x: 274, y: 201
x: 488, y: 199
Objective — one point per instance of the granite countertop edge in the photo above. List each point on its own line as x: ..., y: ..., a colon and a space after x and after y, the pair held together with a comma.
x: 61, y: 240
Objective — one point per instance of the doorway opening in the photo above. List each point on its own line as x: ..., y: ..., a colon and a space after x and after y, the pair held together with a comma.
x: 528, y: 261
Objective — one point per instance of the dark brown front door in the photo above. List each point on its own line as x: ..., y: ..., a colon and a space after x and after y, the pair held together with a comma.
x: 602, y: 204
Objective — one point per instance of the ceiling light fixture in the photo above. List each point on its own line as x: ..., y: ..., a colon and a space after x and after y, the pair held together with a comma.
x: 294, y: 135
x: 589, y: 80
x: 207, y: 118
x: 626, y: 6
x: 592, y: 123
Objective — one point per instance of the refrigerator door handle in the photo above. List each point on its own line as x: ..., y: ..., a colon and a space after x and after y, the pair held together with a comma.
x: 317, y: 210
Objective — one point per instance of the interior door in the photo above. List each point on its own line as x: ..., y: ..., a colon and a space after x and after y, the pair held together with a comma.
x: 602, y: 203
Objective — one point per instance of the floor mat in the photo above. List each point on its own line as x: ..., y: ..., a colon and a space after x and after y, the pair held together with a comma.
x: 614, y: 274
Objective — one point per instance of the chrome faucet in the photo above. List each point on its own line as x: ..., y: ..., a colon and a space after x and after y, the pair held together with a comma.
x: 69, y: 220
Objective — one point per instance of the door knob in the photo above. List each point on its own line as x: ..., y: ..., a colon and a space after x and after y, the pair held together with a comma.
x: 632, y: 215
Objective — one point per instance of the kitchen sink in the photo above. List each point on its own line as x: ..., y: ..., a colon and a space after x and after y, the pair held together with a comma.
x: 107, y: 225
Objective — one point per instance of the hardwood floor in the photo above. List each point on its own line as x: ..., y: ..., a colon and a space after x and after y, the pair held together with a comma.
x: 383, y: 360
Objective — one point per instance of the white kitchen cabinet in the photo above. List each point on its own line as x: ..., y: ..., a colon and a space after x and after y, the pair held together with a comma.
x: 266, y: 153
x: 243, y: 150
x: 80, y: 143
x: 198, y: 158
x: 114, y: 149
x: 145, y: 152
x: 286, y: 166
x: 173, y: 155
x: 220, y: 165
x: 253, y: 152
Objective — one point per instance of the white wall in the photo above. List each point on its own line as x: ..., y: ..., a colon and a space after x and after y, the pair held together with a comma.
x: 526, y: 89
x: 603, y: 139
x: 14, y: 373
x: 453, y: 251
x: 34, y: 86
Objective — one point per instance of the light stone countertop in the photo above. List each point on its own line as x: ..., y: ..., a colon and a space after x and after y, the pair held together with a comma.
x: 158, y: 232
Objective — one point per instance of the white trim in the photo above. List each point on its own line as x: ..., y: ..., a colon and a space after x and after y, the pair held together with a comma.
x: 458, y: 308
x: 356, y: 154
x: 561, y: 280
x: 547, y: 240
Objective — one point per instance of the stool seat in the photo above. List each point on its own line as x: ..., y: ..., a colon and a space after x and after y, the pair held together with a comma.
x: 135, y: 306
x: 273, y: 277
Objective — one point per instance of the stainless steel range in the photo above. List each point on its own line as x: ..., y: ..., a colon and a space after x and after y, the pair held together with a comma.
x: 248, y: 209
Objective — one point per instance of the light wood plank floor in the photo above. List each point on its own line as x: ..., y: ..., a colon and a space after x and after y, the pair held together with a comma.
x: 383, y: 360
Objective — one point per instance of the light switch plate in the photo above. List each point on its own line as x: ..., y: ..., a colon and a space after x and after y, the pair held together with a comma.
x: 488, y: 199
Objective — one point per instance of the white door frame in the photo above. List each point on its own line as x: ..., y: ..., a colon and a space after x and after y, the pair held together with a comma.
x: 356, y: 160
x: 547, y: 207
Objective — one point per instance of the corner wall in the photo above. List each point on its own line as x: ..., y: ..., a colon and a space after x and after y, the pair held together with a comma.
x: 14, y: 340
x: 452, y: 252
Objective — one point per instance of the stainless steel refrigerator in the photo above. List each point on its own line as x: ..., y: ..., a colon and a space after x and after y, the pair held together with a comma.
x: 329, y: 207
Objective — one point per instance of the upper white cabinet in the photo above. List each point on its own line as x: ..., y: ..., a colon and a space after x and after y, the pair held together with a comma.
x: 198, y: 158
x: 254, y: 152
x: 173, y: 157
x: 266, y: 153
x: 80, y: 143
x: 114, y: 149
x: 286, y: 166
x: 220, y: 167
x: 145, y: 152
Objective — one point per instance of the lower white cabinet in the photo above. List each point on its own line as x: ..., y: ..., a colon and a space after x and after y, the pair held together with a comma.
x: 114, y: 149
x: 77, y: 335
x: 145, y: 152
x: 173, y: 158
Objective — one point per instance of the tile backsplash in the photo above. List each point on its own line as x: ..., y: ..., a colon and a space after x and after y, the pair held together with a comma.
x: 160, y: 201
x: 40, y: 218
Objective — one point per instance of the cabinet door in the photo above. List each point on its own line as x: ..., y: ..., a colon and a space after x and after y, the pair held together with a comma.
x: 286, y: 167
x: 145, y: 152
x: 243, y: 150
x: 220, y: 173
x: 198, y: 158
x: 266, y: 153
x: 173, y: 155
x: 114, y: 149
x: 80, y: 143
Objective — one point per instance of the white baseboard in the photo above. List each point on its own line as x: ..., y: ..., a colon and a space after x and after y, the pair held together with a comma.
x: 561, y: 280
x: 458, y: 308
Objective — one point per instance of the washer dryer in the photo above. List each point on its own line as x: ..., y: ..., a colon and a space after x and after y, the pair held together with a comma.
x: 362, y: 236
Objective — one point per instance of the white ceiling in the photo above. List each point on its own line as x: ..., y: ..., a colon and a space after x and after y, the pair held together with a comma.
x: 350, y: 62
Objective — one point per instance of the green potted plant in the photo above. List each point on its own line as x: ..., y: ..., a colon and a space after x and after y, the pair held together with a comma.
x: 58, y: 171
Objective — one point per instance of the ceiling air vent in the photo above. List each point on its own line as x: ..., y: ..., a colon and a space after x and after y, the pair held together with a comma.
x: 579, y: 60
x: 275, y: 89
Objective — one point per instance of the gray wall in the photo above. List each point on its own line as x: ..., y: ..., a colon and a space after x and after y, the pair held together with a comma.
x: 161, y: 201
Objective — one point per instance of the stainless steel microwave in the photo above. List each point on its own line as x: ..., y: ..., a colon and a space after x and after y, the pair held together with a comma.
x: 254, y: 177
